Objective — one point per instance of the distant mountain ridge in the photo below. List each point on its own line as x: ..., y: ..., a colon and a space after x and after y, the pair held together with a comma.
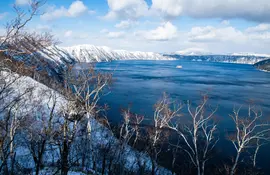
x: 201, y: 52
x: 239, y: 59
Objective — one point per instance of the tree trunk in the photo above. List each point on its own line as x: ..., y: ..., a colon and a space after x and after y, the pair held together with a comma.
x: 255, y: 156
x: 198, y: 170
x: 13, y: 156
x: 153, y: 168
x: 6, y: 171
x: 203, y: 167
x: 40, y: 157
x: 110, y: 166
x: 103, y: 164
x: 235, y: 163
x: 64, y: 168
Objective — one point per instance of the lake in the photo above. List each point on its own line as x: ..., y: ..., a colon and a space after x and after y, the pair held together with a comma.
x: 140, y: 84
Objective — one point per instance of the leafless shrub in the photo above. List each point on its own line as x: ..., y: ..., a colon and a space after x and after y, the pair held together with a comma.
x: 17, y: 40
x: 199, y: 138
x: 251, y: 132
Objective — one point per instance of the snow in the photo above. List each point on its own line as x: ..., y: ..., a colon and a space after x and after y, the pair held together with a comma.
x: 264, y: 70
x: 31, y: 101
x: 91, y: 53
x: 245, y: 60
x: 238, y: 58
x: 250, y: 54
x: 39, y: 102
x: 201, y: 51
x: 223, y: 58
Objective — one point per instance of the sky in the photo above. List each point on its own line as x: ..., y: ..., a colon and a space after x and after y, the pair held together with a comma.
x: 164, y: 26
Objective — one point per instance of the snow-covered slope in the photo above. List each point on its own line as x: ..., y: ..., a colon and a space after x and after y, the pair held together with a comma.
x: 90, y: 53
x: 35, y: 100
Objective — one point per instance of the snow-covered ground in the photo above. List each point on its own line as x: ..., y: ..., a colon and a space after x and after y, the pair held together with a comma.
x: 91, y: 53
x: 37, y: 100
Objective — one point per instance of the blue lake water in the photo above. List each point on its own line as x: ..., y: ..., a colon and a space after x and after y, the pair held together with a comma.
x: 141, y: 83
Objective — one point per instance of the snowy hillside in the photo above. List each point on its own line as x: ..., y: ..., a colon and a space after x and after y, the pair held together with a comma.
x: 37, y: 100
x: 238, y: 59
x: 90, y: 53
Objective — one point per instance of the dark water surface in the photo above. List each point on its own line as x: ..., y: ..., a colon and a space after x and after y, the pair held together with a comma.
x: 141, y: 84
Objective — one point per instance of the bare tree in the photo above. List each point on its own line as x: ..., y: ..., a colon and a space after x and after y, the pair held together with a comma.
x: 251, y: 132
x: 88, y: 86
x: 165, y: 112
x: 130, y: 127
x: 128, y: 135
x: 13, y: 112
x: 198, y: 138
x: 19, y: 41
x: 83, y: 90
x: 40, y: 132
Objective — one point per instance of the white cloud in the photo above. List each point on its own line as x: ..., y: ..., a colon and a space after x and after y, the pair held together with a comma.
x: 193, y: 51
x: 81, y: 36
x: 3, y: 15
x: 22, y: 2
x: 259, y: 28
x: 104, y: 31
x: 166, y: 31
x: 258, y: 10
x: 115, y: 34
x: 213, y: 34
x: 169, y: 8
x: 252, y: 35
x: 68, y: 33
x: 109, y: 34
x: 126, y: 9
x: 77, y: 8
x: 262, y: 36
x: 243, y: 42
x: 126, y: 24
x: 223, y: 9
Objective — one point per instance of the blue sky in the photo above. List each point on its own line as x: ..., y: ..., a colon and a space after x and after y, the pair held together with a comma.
x: 220, y: 26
